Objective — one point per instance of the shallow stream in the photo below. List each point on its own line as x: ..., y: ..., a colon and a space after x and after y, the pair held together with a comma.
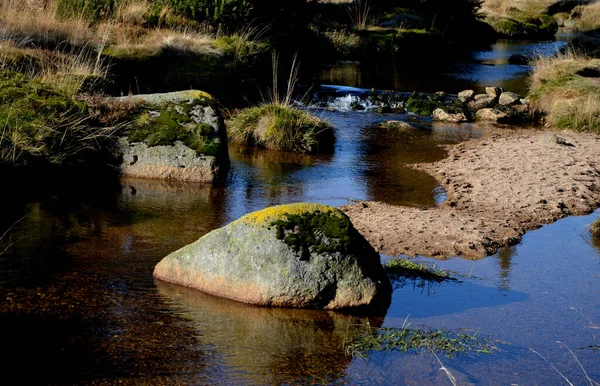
x: 80, y: 306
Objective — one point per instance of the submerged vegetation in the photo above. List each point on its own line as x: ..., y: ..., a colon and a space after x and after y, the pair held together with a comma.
x: 595, y: 228
x: 405, y: 339
x: 566, y: 89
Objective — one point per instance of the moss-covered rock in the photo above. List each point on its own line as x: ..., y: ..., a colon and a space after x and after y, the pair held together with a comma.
x: 300, y: 255
x: 280, y: 127
x: 179, y: 135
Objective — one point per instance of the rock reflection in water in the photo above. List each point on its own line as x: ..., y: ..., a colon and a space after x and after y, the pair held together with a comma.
x: 268, y: 345
x: 504, y: 260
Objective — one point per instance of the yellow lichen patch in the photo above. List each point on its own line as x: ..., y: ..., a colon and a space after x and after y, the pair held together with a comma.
x: 196, y: 94
x: 274, y: 213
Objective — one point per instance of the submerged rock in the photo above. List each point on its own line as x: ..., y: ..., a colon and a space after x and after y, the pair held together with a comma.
x: 299, y: 255
x: 177, y: 135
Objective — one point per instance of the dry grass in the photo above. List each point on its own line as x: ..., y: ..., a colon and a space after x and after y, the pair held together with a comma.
x: 570, y: 101
x: 590, y: 17
x: 67, y: 72
x: 595, y: 228
x: 509, y: 7
x: 36, y: 22
x: 158, y: 41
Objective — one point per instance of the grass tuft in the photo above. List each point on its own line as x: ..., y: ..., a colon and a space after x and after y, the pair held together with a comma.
x: 408, y: 340
x: 402, y: 269
x: 281, y: 127
x: 569, y: 100
x: 595, y: 228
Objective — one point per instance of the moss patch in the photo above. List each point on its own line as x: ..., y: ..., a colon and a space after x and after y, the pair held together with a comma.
x: 174, y: 122
x: 308, y: 228
x: 421, y: 104
x: 281, y: 128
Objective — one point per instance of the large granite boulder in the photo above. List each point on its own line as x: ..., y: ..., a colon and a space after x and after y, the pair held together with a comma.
x: 299, y: 255
x: 177, y: 135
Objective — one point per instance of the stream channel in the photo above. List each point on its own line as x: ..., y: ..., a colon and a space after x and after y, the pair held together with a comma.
x: 80, y: 305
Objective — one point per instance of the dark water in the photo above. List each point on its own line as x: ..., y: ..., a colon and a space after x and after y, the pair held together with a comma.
x: 476, y: 71
x: 80, y: 306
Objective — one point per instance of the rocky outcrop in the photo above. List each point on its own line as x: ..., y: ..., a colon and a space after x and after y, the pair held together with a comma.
x: 177, y: 135
x: 299, y: 255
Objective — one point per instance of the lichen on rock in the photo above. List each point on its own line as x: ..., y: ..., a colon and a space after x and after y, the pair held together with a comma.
x: 300, y: 255
x: 169, y: 121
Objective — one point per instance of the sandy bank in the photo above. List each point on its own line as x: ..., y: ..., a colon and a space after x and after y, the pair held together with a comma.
x: 498, y: 187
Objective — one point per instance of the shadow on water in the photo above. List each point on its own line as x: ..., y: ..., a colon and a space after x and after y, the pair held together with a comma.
x: 483, y: 68
x: 267, y: 345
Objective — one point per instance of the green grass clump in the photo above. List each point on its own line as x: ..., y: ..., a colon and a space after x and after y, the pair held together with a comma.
x: 241, y: 47
x: 568, y: 100
x: 41, y: 125
x: 595, y: 228
x: 415, y: 270
x: 414, y: 341
x: 280, y: 127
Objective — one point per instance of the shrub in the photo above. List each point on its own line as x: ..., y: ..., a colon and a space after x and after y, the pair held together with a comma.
x: 281, y: 127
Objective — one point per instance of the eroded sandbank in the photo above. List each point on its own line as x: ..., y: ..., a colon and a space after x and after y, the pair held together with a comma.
x: 498, y: 187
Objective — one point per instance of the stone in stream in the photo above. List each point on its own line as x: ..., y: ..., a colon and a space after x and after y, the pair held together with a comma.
x: 508, y: 98
x: 466, y: 95
x: 494, y: 92
x: 481, y: 103
x: 444, y: 116
x: 175, y: 136
x: 492, y: 115
x: 300, y: 255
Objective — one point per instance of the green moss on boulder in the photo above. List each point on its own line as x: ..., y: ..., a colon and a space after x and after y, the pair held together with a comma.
x: 300, y: 255
x: 179, y: 135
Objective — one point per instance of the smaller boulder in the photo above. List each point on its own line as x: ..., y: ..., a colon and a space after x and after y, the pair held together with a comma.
x: 508, y: 98
x: 466, y: 95
x: 494, y: 92
x: 481, y: 103
x: 444, y: 116
x: 492, y: 115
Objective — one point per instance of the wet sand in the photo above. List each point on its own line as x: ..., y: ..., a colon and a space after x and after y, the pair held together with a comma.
x: 498, y: 187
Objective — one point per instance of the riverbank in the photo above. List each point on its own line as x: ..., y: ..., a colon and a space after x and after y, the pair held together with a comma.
x: 498, y: 187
